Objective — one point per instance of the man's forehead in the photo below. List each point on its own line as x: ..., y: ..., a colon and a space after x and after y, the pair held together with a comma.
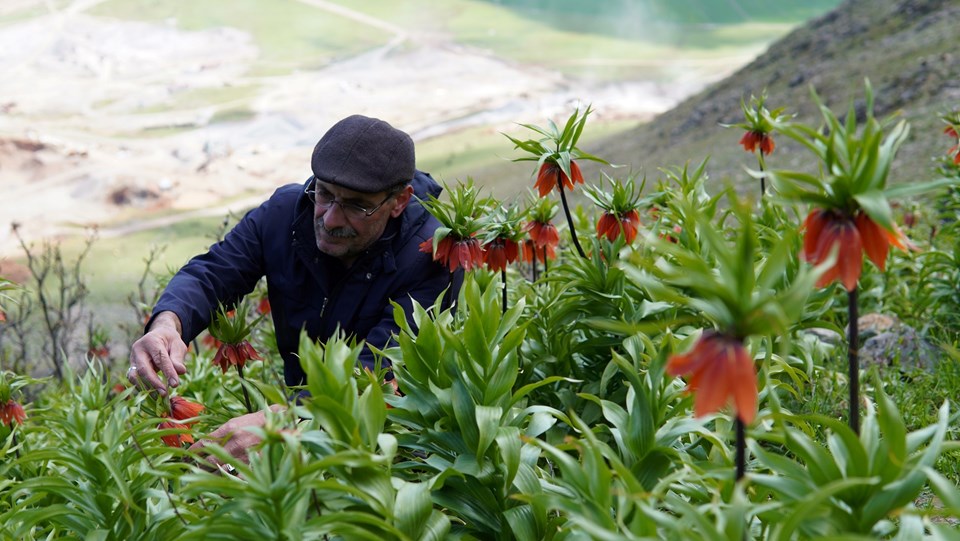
x: 343, y: 193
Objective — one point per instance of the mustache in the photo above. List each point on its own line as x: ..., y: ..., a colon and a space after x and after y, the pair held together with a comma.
x: 344, y: 232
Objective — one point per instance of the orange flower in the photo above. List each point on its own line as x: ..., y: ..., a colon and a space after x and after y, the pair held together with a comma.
x: 720, y: 371
x: 547, y: 177
x: 99, y: 351
x: 181, y: 408
x: 530, y: 251
x: 826, y: 228
x: 175, y: 440
x: 499, y: 252
x: 674, y: 236
x: 455, y: 253
x: 543, y: 234
x: 752, y: 139
x: 612, y: 225
x: 211, y: 342
x: 12, y: 412
x: 263, y: 307
x: 3, y: 316
x: 951, y: 131
x: 235, y: 354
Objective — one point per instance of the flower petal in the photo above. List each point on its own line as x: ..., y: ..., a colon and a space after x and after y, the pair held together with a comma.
x: 813, y: 226
x: 546, y: 178
x: 876, y: 242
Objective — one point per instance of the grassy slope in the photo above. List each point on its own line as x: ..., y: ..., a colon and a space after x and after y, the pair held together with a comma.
x: 905, y: 48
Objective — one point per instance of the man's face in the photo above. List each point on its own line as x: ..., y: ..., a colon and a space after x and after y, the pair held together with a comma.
x: 345, y: 233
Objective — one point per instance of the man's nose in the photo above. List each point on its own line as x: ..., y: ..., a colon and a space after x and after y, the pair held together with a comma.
x: 333, y: 216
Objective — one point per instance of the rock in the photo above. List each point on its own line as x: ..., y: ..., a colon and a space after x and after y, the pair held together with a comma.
x: 886, y: 341
x: 870, y: 325
x: 826, y: 336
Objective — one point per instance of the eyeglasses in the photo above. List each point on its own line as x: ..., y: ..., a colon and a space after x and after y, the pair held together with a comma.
x: 324, y: 199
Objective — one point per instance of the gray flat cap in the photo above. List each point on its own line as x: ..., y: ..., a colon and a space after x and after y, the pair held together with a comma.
x: 364, y: 154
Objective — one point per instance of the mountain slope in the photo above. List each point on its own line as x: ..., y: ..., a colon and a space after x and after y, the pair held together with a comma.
x: 907, y: 48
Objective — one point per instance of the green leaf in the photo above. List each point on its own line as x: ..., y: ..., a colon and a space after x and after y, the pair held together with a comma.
x: 488, y: 425
x: 523, y: 523
x: 412, y: 508
x: 811, y: 505
x: 910, y: 189
x: 875, y: 204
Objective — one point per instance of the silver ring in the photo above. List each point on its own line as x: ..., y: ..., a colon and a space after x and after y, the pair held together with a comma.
x: 131, y: 369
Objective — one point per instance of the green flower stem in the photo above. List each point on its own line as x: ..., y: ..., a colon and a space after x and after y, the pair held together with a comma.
x: 566, y: 210
x: 763, y: 178
x: 246, y: 397
x: 533, y: 249
x: 14, y: 435
x: 741, y: 457
x: 544, y: 259
x: 853, y: 345
x: 503, y: 280
x: 447, y: 295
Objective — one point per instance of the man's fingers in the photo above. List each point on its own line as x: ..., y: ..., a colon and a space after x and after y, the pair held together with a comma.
x: 143, y: 373
x: 165, y: 363
x: 178, y: 352
x: 148, y: 374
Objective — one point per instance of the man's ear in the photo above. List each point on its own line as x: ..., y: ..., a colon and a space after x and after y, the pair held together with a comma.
x: 403, y: 198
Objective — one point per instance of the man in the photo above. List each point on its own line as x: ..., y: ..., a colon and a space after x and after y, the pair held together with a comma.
x: 335, y: 251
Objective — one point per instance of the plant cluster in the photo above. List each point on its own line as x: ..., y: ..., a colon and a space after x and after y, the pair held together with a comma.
x: 658, y: 382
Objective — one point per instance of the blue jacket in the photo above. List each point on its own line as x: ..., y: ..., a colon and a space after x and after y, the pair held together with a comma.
x: 308, y: 289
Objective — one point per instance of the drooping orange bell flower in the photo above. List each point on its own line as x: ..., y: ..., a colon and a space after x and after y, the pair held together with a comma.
x: 719, y: 371
x: 543, y: 234
x: 175, y: 440
x: 455, y: 253
x: 611, y: 225
x: 181, y: 408
x: 263, y: 307
x: 828, y: 228
x: 235, y: 354
x: 547, y: 177
x: 12, y: 412
x: 211, y: 342
x: 955, y: 149
x: 499, y: 252
x: 752, y: 139
x: 543, y: 241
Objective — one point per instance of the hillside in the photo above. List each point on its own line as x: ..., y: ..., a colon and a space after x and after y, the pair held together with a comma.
x: 907, y: 48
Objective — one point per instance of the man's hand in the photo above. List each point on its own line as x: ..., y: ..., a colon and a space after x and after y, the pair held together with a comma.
x: 234, y: 435
x: 161, y: 349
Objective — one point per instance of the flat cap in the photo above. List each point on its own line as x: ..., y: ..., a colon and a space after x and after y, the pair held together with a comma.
x: 364, y: 154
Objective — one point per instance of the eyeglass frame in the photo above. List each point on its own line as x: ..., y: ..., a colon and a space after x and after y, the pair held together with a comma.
x: 311, y: 192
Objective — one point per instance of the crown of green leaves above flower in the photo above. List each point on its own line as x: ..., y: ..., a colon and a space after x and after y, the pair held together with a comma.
x: 460, y: 215
x: 855, y: 161
x: 557, y: 146
x: 738, y: 288
x: 232, y: 326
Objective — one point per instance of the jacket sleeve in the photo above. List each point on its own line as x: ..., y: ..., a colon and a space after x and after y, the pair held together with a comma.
x: 227, y: 272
